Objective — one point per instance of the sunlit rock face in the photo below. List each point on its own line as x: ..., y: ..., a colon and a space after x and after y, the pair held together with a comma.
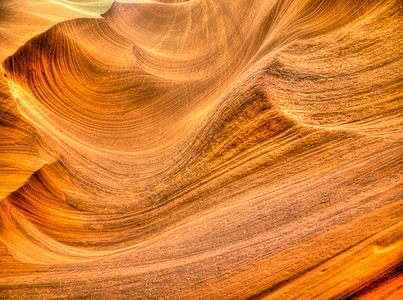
x: 201, y: 149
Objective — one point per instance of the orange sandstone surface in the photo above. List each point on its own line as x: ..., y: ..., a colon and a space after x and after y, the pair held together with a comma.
x: 202, y: 149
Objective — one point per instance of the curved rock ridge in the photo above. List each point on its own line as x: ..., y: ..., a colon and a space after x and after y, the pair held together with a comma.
x: 204, y: 149
x: 20, y: 21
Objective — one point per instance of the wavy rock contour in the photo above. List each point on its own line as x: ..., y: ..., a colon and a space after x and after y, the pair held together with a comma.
x: 203, y: 149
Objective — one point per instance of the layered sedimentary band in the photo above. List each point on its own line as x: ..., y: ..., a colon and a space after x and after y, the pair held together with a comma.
x: 201, y: 149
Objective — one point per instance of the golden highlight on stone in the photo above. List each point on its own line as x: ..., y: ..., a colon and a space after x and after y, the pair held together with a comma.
x: 201, y: 149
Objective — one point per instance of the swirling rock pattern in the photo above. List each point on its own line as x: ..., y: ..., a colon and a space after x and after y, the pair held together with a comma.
x: 201, y: 149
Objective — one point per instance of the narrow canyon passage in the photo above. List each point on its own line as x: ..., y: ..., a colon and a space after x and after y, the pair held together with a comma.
x: 201, y: 149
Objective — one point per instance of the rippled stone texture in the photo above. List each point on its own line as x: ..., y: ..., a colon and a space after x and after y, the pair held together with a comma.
x: 201, y: 149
